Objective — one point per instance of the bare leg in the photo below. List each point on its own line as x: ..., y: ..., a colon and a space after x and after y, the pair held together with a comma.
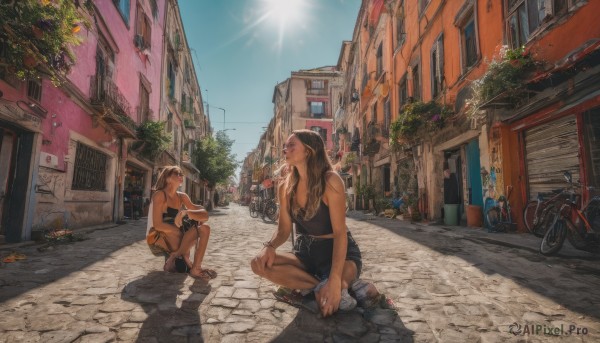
x: 183, y: 247
x: 203, y: 233
x: 287, y: 271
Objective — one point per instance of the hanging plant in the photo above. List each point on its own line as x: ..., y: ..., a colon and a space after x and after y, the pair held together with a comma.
x: 36, y: 37
x: 152, y: 140
x: 417, y: 117
x: 505, y: 75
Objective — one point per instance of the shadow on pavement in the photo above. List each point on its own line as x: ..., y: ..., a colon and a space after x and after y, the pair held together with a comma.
x: 565, y: 281
x: 370, y: 326
x: 58, y: 261
x: 172, y: 312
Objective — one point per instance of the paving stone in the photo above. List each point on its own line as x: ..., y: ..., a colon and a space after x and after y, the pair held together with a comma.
x: 245, y: 294
x: 59, y: 336
x: 225, y: 302
x: 98, y: 338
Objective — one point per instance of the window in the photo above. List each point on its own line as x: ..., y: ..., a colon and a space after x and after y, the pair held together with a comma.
x: 387, y: 118
x: 374, y: 113
x: 317, y: 84
x: 317, y: 109
x: 437, y: 67
x: 144, y: 107
x: 400, y: 29
x: 89, y: 172
x: 171, y: 83
x: 469, y: 43
x: 143, y: 30
x: 317, y: 87
x: 176, y: 138
x: 524, y: 17
x: 183, y: 102
x: 379, y: 60
x: 170, y: 122
x: 34, y: 89
x: 123, y: 7
x: 403, y: 91
x: 416, y: 83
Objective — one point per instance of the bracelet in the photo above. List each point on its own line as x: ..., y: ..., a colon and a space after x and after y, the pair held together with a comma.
x: 268, y: 244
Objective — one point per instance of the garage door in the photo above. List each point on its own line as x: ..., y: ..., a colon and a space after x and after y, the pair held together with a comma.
x: 551, y: 149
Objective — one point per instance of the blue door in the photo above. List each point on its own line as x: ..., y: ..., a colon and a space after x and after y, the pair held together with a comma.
x: 474, y: 174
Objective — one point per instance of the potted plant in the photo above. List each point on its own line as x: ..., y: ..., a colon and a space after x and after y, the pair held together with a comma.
x: 152, y: 139
x: 505, y: 76
x: 414, y: 118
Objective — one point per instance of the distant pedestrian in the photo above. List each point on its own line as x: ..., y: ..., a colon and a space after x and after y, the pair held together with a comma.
x: 326, y: 259
x: 174, y: 230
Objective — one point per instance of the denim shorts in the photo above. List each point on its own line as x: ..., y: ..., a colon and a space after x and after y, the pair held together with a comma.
x: 316, y: 254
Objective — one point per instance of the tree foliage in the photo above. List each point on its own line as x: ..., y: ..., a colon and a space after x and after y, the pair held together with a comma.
x: 41, y: 33
x: 214, y: 159
x: 152, y: 139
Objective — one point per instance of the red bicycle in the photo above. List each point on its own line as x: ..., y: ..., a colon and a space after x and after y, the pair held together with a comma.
x: 580, y: 226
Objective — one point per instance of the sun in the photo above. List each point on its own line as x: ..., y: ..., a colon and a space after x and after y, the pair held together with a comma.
x: 285, y: 14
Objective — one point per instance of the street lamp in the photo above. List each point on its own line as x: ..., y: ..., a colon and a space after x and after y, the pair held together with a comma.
x: 222, y: 109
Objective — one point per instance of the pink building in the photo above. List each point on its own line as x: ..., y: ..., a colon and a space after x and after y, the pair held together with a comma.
x: 64, y: 151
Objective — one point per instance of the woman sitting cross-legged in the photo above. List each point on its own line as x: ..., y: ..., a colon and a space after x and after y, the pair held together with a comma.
x: 175, y: 231
x: 326, y: 259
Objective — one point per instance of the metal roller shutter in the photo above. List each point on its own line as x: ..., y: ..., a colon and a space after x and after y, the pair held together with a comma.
x: 550, y: 149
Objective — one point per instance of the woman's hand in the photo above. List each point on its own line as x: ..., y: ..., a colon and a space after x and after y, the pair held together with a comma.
x: 179, y: 218
x: 264, y: 259
x: 329, y: 297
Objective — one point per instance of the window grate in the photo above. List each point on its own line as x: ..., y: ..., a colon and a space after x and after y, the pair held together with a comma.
x: 90, y: 169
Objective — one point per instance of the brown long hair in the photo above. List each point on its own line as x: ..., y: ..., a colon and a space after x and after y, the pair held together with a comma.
x: 161, y: 182
x: 317, y: 166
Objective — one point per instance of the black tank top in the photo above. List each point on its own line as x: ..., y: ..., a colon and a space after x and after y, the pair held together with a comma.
x: 169, y: 216
x: 318, y: 225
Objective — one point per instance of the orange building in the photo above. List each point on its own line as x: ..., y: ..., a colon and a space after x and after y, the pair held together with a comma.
x: 441, y: 57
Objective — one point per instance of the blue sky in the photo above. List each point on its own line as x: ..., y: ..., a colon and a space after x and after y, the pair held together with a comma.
x: 243, y: 48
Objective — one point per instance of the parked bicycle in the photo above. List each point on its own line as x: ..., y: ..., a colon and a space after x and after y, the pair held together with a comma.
x: 269, y: 209
x: 580, y: 226
x: 540, y: 213
x: 499, y: 216
x: 254, y: 207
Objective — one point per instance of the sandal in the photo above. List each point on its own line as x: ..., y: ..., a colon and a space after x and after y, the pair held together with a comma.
x: 296, y: 299
x: 205, y: 274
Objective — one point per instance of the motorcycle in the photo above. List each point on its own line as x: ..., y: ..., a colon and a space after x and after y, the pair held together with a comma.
x: 581, y: 227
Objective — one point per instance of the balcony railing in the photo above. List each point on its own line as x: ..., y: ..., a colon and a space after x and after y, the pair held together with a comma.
x: 114, y: 108
x: 308, y: 114
x: 317, y: 91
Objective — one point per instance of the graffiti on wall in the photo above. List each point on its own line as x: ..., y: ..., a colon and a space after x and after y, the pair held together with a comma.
x: 50, y: 185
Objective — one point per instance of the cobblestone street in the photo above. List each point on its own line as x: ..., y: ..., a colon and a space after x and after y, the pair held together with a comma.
x: 448, y: 285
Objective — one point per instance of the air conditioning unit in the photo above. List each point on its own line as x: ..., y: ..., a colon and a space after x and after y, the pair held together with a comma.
x: 355, y: 96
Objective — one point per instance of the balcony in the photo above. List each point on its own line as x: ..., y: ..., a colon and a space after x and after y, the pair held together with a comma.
x: 189, y: 124
x: 317, y: 91
x: 112, y: 106
x: 308, y: 114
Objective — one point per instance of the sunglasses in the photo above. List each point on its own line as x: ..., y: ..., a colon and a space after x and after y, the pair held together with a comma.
x: 178, y: 173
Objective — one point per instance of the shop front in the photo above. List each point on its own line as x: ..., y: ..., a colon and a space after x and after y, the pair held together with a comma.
x: 133, y: 192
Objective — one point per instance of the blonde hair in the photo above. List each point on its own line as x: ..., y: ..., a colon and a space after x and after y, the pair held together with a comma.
x: 161, y: 182
x: 317, y: 166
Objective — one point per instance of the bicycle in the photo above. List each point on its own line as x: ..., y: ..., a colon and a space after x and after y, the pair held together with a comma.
x: 580, y: 226
x: 538, y: 214
x: 269, y: 209
x: 499, y: 216
x: 253, y: 207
